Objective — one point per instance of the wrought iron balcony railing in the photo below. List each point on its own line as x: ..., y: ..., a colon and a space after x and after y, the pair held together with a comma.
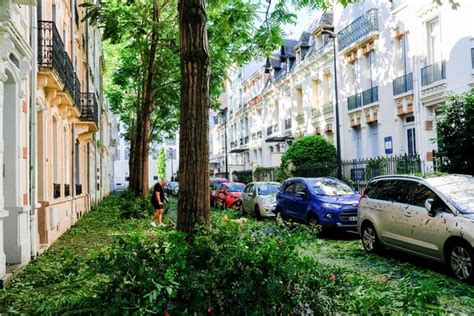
x: 89, y: 108
x: 433, y: 73
x: 52, y: 54
x: 78, y: 189
x: 328, y: 108
x: 300, y: 118
x: 354, y: 101
x: 403, y: 84
x: 67, y: 190
x: 315, y: 112
x: 287, y: 124
x: 56, y: 190
x: 358, y: 29
x: 370, y: 95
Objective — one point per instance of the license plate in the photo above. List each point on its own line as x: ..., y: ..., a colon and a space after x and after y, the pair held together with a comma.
x: 352, y: 218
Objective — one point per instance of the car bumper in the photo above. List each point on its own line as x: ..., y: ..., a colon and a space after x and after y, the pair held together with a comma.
x: 268, y: 212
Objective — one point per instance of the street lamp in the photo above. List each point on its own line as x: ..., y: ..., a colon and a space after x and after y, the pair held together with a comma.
x: 171, y: 156
x: 332, y: 35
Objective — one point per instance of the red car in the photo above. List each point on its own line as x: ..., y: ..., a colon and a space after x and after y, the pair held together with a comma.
x: 215, y: 183
x: 228, y: 195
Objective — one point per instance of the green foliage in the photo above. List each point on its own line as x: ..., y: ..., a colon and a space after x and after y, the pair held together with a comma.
x: 307, y: 154
x: 455, y: 127
x: 375, y: 167
x: 109, y: 265
x: 133, y: 207
x: 308, y: 151
x: 161, y: 164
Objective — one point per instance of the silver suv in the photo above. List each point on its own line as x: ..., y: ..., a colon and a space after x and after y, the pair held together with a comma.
x: 431, y: 218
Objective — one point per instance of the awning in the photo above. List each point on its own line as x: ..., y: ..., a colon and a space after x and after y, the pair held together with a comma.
x: 279, y: 139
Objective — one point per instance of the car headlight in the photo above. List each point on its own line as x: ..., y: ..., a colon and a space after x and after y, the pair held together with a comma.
x: 269, y: 203
x: 331, y: 205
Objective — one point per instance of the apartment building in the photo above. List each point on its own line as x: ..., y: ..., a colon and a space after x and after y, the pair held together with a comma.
x: 121, y: 162
x: 51, y: 103
x: 16, y: 107
x: 396, y: 63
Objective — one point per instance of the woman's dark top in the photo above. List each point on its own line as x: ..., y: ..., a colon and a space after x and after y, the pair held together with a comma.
x: 154, y: 201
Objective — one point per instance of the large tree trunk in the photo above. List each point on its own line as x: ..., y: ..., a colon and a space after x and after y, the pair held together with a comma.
x: 194, y: 202
x: 139, y: 165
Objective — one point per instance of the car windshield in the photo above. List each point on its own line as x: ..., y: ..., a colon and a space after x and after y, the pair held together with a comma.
x: 235, y: 187
x: 215, y: 185
x: 458, y: 189
x: 330, y: 187
x: 267, y: 189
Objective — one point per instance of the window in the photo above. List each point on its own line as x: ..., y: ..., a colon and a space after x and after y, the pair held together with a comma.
x: 300, y: 187
x: 388, y: 190
x: 357, y: 142
x: 315, y: 93
x: 55, y: 160
x: 410, y: 135
x: 53, y: 13
x: 434, y: 41
x: 290, y: 188
x: 77, y: 177
x: 374, y: 139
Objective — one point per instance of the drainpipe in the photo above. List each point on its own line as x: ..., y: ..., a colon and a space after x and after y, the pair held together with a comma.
x: 73, y: 140
x: 33, y: 130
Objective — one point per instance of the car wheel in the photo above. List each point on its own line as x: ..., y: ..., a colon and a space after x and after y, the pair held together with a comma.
x: 258, y: 216
x: 370, y: 241
x: 279, y: 213
x: 312, y: 220
x: 461, y: 261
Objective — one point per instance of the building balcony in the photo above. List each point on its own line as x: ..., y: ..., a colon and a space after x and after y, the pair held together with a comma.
x: 354, y: 101
x: 52, y: 56
x: 328, y: 108
x: 300, y: 119
x: 433, y: 73
x: 370, y: 96
x: 357, y: 30
x: 89, y: 108
x: 288, y: 124
x: 403, y: 84
x: 315, y: 113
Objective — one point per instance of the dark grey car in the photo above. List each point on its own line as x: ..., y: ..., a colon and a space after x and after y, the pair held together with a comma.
x: 432, y: 218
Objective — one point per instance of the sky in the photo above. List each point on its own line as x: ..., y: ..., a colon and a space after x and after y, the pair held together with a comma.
x: 304, y: 18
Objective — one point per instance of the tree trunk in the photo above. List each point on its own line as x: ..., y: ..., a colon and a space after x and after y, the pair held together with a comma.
x: 139, y: 165
x: 194, y: 191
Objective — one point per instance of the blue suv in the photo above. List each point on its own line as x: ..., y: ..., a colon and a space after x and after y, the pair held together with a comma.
x: 325, y: 201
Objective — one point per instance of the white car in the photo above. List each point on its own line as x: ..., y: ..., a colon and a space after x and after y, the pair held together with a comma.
x: 259, y: 198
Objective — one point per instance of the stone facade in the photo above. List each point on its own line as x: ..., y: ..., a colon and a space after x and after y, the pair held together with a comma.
x: 396, y: 62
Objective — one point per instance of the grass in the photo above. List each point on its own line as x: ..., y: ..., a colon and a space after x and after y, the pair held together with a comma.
x: 396, y: 281
x: 391, y: 283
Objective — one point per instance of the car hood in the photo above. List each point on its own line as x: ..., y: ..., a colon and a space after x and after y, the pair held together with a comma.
x: 235, y: 194
x: 344, y: 199
x: 269, y: 197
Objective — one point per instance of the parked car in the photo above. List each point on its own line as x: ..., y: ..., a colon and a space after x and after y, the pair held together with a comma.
x: 173, y: 188
x: 325, y: 201
x: 215, y: 183
x: 259, y: 198
x: 228, y: 195
x: 431, y: 218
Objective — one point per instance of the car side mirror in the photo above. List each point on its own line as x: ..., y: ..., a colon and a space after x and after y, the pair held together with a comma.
x: 428, y: 206
x: 301, y: 195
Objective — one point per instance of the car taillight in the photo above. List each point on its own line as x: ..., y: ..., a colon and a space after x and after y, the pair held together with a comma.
x: 363, y: 196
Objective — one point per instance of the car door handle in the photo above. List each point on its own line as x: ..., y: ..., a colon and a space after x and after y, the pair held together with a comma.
x: 407, y: 214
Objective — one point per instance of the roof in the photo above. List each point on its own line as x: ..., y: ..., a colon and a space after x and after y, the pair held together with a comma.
x: 304, y: 40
